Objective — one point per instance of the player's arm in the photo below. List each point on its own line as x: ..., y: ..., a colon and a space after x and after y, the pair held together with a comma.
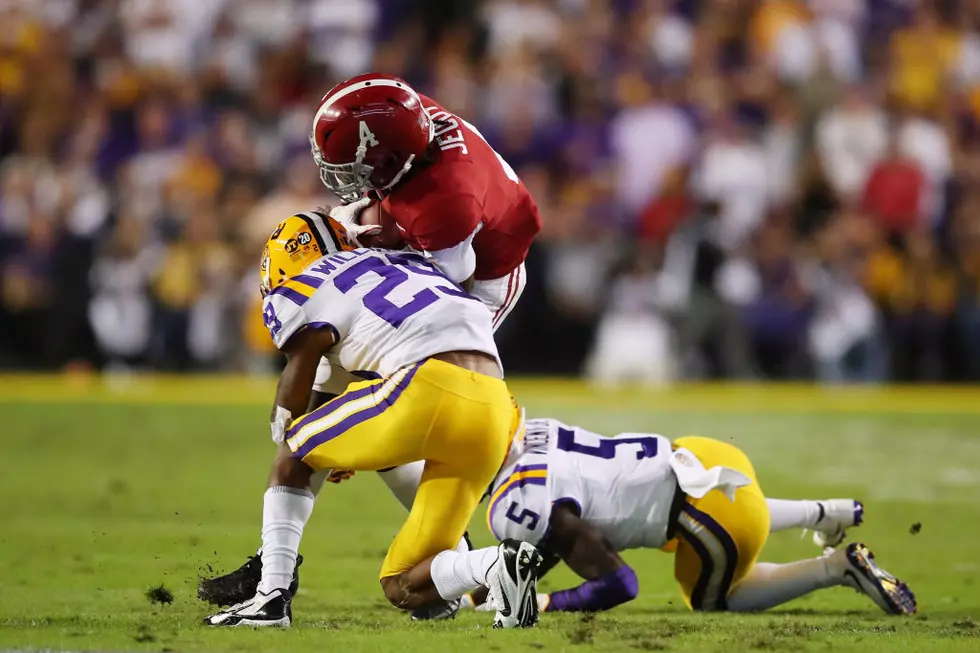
x: 303, y: 352
x: 446, y: 233
x: 609, y: 580
x: 458, y: 262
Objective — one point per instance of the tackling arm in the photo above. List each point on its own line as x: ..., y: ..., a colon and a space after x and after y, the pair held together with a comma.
x: 609, y: 580
x: 303, y: 352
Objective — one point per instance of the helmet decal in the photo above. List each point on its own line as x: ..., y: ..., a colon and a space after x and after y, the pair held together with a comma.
x: 367, y: 136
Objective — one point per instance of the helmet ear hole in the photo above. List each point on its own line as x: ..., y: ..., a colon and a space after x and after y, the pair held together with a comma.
x: 282, y: 272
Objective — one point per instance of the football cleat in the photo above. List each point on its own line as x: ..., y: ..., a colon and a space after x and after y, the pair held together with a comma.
x: 242, y: 584
x: 864, y: 575
x: 838, y: 516
x: 261, y: 611
x: 513, y: 583
x: 441, y: 610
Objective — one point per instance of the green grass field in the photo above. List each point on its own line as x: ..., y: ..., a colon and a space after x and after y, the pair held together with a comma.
x: 111, y: 489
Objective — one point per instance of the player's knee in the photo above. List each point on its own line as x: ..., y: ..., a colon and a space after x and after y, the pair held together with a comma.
x: 395, y: 590
x: 289, y: 471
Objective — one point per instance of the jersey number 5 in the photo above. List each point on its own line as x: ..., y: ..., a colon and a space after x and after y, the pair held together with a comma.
x: 532, y: 516
x: 606, y: 448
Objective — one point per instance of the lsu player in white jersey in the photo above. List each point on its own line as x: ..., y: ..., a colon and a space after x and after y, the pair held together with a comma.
x: 582, y: 498
x: 440, y: 399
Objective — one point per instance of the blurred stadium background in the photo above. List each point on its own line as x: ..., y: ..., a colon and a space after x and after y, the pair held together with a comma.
x: 730, y: 188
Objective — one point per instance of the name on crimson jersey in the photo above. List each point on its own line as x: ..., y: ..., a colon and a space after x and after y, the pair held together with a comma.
x: 386, y: 309
x: 467, y: 189
x: 622, y: 485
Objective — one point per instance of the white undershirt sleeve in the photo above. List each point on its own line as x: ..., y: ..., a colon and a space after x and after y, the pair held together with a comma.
x: 457, y: 262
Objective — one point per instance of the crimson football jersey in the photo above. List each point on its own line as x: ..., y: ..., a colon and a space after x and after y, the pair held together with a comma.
x: 467, y: 186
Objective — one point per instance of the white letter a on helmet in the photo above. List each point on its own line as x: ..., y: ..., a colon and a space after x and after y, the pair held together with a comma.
x: 367, y: 136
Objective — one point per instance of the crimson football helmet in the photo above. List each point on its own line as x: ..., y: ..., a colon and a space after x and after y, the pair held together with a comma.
x: 366, y: 134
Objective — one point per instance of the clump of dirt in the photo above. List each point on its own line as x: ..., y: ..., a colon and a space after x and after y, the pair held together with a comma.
x: 160, y: 594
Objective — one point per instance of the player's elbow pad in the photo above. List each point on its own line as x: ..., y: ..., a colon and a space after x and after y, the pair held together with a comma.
x: 622, y: 584
x: 612, y: 589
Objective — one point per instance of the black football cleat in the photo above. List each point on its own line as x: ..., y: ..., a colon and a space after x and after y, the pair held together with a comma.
x: 441, y: 610
x: 272, y: 610
x: 240, y: 585
x: 864, y: 575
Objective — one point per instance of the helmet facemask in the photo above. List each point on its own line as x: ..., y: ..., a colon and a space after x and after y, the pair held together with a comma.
x: 350, y: 181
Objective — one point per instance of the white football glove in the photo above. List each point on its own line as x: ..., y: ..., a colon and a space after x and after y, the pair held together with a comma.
x: 348, y: 214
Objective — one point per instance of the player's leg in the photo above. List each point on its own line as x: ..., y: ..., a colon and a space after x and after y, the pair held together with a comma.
x: 437, y: 519
x: 422, y: 565
x: 829, y: 518
x: 403, y: 482
x: 501, y: 295
x: 241, y: 584
x: 359, y: 428
x: 716, y: 535
x: 768, y: 585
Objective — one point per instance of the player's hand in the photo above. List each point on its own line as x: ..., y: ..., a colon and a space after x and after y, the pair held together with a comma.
x: 340, y: 475
x: 544, y: 600
x: 348, y: 215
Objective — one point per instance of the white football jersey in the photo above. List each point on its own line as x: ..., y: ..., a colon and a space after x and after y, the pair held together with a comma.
x: 623, y: 485
x: 387, y: 310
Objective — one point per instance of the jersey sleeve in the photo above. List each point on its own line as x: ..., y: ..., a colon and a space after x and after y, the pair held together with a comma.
x: 521, y: 506
x: 445, y: 221
x: 283, y: 317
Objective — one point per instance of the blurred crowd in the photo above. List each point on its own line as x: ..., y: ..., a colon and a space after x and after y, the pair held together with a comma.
x: 781, y: 189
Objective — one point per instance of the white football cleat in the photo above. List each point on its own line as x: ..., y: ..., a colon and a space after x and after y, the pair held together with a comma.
x: 263, y: 610
x: 513, y: 583
x: 838, y: 516
x: 864, y: 575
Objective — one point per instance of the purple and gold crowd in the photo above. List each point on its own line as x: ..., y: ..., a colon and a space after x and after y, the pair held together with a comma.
x: 741, y: 189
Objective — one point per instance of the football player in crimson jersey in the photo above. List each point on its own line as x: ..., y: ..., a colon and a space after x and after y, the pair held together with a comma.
x: 452, y: 196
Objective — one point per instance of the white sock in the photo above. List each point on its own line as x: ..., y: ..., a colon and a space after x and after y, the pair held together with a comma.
x: 785, y: 514
x: 455, y: 573
x: 284, y: 516
x: 403, y: 481
x: 768, y: 584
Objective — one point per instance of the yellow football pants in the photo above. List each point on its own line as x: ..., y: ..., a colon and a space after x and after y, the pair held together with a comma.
x: 459, y: 422
x: 719, y: 540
